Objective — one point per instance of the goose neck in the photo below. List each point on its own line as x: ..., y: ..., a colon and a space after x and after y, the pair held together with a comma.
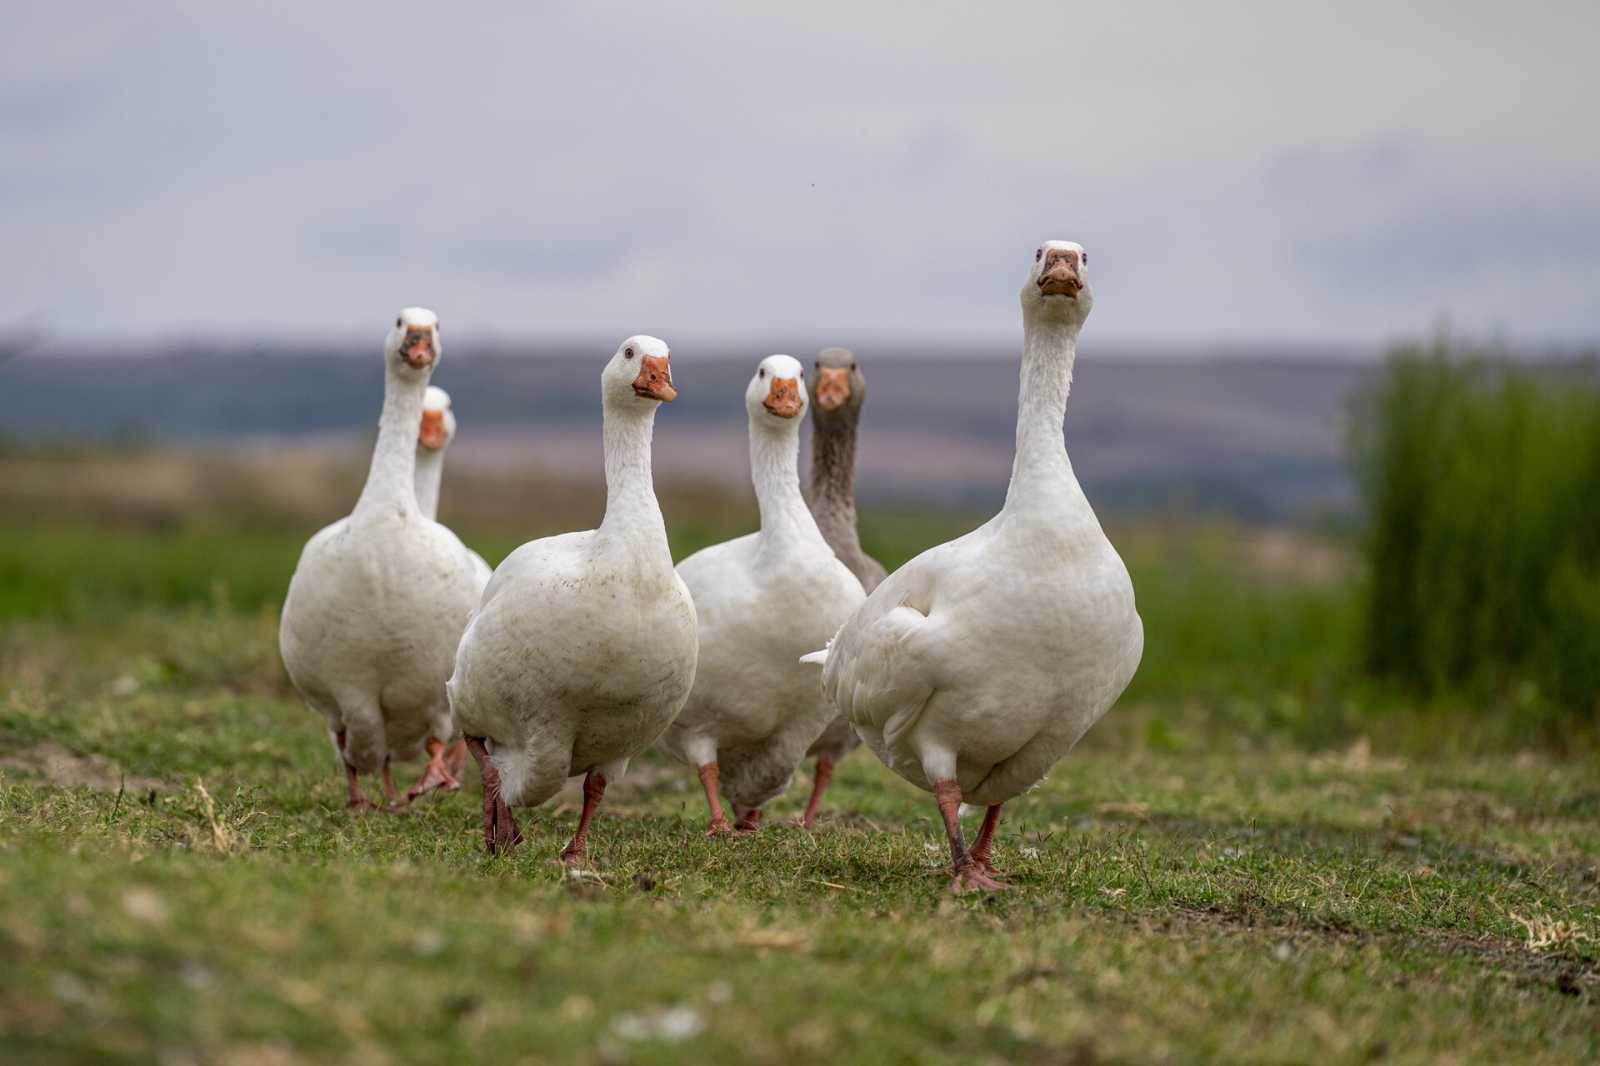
x: 775, y: 470
x: 430, y: 470
x: 632, y: 511
x: 1048, y: 352
x: 391, y: 477
x: 833, y: 475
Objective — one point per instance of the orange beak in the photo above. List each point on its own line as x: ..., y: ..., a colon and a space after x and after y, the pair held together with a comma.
x: 655, y: 379
x: 1060, y: 274
x: 783, y: 397
x: 432, y: 433
x: 417, y: 349
x: 833, y: 387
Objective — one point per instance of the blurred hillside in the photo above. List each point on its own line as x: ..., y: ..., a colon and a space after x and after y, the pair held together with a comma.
x: 1240, y: 435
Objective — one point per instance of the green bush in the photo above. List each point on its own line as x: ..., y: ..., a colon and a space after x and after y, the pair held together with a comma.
x: 1481, y: 483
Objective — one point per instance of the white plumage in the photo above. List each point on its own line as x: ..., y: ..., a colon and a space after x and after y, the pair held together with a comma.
x: 584, y: 646
x: 762, y: 600
x: 976, y: 666
x: 379, y: 599
x: 437, y: 432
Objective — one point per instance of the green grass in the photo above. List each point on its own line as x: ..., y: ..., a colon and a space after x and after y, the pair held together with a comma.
x: 1481, y: 483
x: 1247, y: 861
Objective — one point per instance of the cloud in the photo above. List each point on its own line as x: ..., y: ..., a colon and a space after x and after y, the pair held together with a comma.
x: 830, y: 169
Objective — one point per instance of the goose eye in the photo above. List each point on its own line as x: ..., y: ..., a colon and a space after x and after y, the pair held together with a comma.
x: 627, y: 353
x: 397, y: 323
x: 1037, y: 252
x: 761, y: 373
x: 852, y: 368
x: 1085, y: 258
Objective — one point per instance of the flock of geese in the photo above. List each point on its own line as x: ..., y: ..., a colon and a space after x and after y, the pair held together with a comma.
x: 969, y: 671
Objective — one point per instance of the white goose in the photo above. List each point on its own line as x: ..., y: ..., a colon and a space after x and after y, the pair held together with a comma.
x: 434, y: 435
x: 763, y: 600
x: 584, y: 646
x: 976, y: 666
x: 438, y: 430
x: 379, y: 599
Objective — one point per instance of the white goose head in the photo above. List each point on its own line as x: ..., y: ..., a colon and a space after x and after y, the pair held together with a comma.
x: 1057, y: 288
x: 639, y: 375
x: 438, y: 421
x: 413, y: 347
x: 777, y: 394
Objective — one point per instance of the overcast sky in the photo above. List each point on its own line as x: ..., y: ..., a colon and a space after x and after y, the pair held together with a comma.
x: 1269, y: 171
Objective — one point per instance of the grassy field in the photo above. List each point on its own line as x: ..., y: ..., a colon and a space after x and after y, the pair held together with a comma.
x: 1252, y: 859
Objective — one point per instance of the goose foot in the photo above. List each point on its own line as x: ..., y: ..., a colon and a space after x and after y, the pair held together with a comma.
x: 983, y: 848
x: 749, y: 822
x: 972, y: 877
x: 455, y: 759
x: 500, y: 832
x: 594, y: 787
x: 818, y: 782
x: 435, y: 775
x: 356, y: 803
x: 970, y: 873
x: 719, y: 821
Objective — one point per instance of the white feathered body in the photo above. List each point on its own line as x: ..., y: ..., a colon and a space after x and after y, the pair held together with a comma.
x: 763, y: 600
x: 580, y: 655
x: 985, y: 659
x: 370, y: 624
x: 997, y: 651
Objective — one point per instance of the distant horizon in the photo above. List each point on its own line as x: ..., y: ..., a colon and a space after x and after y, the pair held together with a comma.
x: 558, y: 346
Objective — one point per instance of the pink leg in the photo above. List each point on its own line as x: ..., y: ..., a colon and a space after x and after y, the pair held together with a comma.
x: 969, y: 874
x: 357, y: 801
x: 436, y: 775
x: 983, y: 849
x: 594, y: 787
x: 749, y: 821
x: 500, y: 831
x: 818, y: 783
x: 455, y: 759
x: 719, y: 821
x: 388, y: 783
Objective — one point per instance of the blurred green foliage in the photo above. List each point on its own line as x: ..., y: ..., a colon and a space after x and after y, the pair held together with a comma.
x: 1481, y: 483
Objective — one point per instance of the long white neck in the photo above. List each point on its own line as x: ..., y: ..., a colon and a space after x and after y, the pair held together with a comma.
x: 390, y: 478
x: 1041, y: 467
x: 430, y: 469
x: 775, y: 469
x: 632, y: 512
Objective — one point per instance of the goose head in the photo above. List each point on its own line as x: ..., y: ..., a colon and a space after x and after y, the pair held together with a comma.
x: 639, y: 374
x: 777, y: 394
x: 1058, y: 283
x: 413, y: 347
x: 438, y: 422
x: 838, y: 387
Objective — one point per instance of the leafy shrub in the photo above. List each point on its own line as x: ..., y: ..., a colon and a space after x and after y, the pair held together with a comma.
x: 1481, y: 483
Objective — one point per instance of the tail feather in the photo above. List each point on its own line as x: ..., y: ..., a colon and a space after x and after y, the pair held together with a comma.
x: 818, y: 658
